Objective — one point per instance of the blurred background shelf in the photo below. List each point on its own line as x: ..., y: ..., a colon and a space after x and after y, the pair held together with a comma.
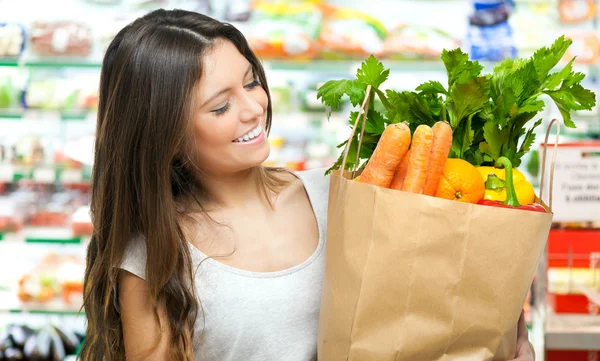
x: 47, y: 114
x: 9, y: 302
x: 572, y: 332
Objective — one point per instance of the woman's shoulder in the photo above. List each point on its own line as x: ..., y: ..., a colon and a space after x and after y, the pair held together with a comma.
x: 315, y: 181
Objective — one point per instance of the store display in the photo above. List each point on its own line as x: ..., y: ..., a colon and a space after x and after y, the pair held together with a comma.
x: 9, y: 93
x: 12, y: 40
x: 284, y: 30
x: 73, y: 93
x: 347, y: 33
x: 52, y: 342
x: 586, y: 47
x: 490, y: 34
x: 81, y: 222
x: 572, y: 355
x: 576, y: 11
x: 54, y: 277
x: 61, y: 38
x: 409, y: 42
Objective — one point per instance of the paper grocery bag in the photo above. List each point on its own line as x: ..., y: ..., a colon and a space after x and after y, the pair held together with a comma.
x: 411, y: 277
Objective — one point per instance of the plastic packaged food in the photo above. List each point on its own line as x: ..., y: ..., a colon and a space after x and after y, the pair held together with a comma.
x: 53, y: 276
x: 586, y: 47
x: 12, y: 216
x: 69, y: 93
x: 347, y: 33
x: 9, y: 92
x: 81, y: 222
x: 417, y: 42
x: 12, y: 40
x: 61, y: 38
x: 576, y: 11
x: 284, y: 31
x: 490, y: 34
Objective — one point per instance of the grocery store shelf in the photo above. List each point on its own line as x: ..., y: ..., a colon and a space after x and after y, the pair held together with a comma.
x: 314, y: 65
x: 45, y: 235
x: 55, y: 62
x: 9, y: 302
x: 46, y: 114
x: 50, y: 174
x: 337, y: 66
x: 571, y: 332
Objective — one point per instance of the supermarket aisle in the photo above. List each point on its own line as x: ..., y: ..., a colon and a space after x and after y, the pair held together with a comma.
x: 49, y: 70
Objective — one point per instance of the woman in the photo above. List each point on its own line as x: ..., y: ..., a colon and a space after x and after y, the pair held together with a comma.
x: 199, y: 252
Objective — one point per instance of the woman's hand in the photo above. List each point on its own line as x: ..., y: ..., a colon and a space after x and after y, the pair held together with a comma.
x: 525, y: 350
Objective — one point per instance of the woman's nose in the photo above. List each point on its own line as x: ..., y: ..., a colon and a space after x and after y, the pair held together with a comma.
x: 251, y: 107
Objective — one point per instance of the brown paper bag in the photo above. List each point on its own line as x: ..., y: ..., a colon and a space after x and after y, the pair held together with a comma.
x: 416, y: 278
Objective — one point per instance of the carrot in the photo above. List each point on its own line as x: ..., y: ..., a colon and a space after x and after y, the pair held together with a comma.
x: 442, y: 142
x: 388, y: 154
x: 419, y: 159
x: 401, y: 172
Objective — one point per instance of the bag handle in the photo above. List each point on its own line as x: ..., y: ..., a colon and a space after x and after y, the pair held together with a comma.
x: 362, y: 113
x: 552, y: 164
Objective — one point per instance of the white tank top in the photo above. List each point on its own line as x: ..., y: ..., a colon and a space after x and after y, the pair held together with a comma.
x: 256, y: 316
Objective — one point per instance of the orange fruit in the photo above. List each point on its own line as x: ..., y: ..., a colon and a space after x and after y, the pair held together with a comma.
x: 461, y: 181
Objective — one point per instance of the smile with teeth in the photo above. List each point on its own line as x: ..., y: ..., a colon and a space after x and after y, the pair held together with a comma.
x: 250, y: 135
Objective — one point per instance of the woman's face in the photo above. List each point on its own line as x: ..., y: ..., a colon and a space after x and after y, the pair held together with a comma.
x: 230, y: 116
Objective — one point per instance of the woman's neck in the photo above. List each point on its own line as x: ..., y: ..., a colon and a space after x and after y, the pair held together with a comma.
x: 237, y: 190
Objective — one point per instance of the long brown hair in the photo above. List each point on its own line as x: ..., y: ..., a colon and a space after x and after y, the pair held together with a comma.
x: 143, y: 167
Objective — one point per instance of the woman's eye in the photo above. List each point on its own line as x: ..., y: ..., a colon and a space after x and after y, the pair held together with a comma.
x: 254, y: 84
x: 222, y: 110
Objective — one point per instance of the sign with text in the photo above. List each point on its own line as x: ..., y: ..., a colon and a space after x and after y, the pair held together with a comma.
x: 576, y: 195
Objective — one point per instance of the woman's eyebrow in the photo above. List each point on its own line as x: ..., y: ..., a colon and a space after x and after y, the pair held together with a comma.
x: 225, y: 89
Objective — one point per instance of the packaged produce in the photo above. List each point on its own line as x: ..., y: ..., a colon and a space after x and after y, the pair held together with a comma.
x: 51, y: 342
x: 81, y: 222
x: 490, y: 35
x: 348, y: 33
x: 7, y: 94
x: 576, y: 11
x: 284, y: 30
x: 55, y: 276
x: 12, y: 215
x: 410, y: 42
x: 586, y: 47
x: 12, y: 40
x: 61, y: 38
x: 442, y: 300
x: 62, y: 93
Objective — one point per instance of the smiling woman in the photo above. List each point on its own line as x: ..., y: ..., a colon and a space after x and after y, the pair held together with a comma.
x: 229, y: 123
x: 198, y: 252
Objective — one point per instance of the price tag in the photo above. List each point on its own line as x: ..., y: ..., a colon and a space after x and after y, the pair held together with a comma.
x: 7, y: 172
x: 44, y: 175
x: 69, y: 176
x: 576, y: 193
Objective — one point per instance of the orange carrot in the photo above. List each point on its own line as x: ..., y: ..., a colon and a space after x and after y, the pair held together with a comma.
x: 401, y: 172
x: 388, y: 154
x: 419, y: 159
x: 442, y: 142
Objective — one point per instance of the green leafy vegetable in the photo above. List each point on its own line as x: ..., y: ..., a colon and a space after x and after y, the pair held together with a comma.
x: 372, y: 72
x: 490, y: 115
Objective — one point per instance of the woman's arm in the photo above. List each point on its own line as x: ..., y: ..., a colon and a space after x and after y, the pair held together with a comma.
x: 141, y: 330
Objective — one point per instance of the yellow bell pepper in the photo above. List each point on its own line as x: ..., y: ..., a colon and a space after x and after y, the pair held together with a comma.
x: 495, y: 189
